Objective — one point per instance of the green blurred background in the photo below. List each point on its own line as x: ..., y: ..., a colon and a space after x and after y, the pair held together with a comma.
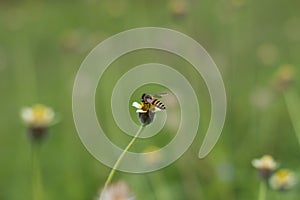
x: 42, y: 44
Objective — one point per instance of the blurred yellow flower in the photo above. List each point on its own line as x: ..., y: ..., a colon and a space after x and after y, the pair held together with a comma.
x: 283, y: 180
x: 266, y: 165
x: 284, y: 77
x: 37, y: 116
x: 117, y: 191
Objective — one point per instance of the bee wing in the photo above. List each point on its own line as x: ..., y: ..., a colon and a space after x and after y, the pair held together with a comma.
x: 156, y: 109
x: 149, y: 100
x: 153, y: 108
x: 159, y: 95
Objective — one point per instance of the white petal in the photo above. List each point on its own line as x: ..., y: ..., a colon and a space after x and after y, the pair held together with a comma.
x: 136, y: 105
x: 49, y: 115
x: 27, y: 114
x: 141, y: 111
x: 256, y: 163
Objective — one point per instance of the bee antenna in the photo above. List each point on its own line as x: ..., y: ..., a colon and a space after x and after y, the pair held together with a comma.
x: 143, y: 95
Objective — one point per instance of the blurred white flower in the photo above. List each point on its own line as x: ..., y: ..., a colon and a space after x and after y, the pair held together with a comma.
x: 37, y: 116
x: 261, y: 98
x: 283, y: 180
x: 265, y: 162
x: 179, y: 7
x: 155, y: 156
x: 117, y: 191
x: 266, y: 165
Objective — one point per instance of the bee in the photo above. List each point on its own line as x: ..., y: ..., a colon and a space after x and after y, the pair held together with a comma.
x: 151, y: 103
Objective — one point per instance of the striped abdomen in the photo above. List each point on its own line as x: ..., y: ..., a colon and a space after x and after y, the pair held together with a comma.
x: 158, y: 104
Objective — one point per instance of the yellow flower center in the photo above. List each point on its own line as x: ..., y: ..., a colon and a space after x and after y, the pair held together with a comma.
x: 283, y: 176
x: 39, y: 113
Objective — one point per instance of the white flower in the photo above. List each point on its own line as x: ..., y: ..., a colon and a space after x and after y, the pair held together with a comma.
x: 146, y: 112
x: 266, y: 162
x: 37, y: 116
x: 265, y: 165
x: 283, y: 180
x: 117, y: 191
x: 141, y: 108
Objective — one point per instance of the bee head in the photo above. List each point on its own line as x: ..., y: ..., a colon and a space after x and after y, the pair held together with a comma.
x: 145, y: 97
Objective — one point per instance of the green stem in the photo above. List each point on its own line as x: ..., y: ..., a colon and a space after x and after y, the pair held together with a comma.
x: 262, y: 191
x: 292, y: 102
x: 37, y: 192
x: 116, y: 165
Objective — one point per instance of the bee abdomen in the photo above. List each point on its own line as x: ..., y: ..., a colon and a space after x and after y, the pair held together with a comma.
x: 159, y: 104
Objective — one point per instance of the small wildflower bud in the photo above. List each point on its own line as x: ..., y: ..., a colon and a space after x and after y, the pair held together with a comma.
x: 178, y: 8
x: 38, y: 119
x: 117, y: 191
x: 147, y: 117
x: 266, y: 165
x: 284, y: 77
x: 282, y: 180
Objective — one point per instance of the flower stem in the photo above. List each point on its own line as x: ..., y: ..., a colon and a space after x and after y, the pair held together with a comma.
x: 292, y: 101
x: 116, y: 165
x: 262, y: 191
x: 37, y: 192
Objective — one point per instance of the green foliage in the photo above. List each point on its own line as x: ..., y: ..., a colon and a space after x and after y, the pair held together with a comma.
x: 42, y: 44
